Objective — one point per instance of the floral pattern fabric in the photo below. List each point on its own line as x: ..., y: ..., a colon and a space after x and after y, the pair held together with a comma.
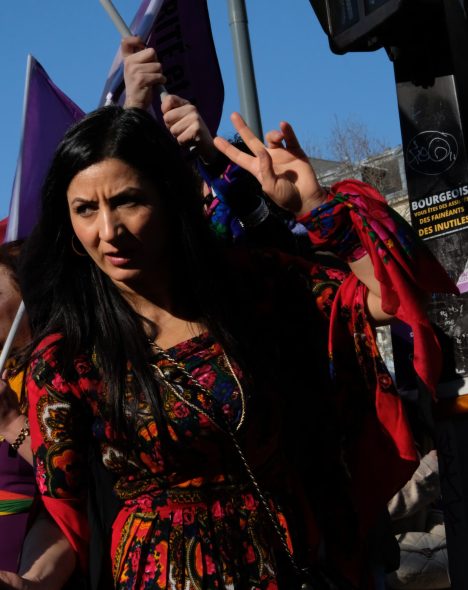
x: 407, y: 271
x: 189, y: 519
x: 408, y: 274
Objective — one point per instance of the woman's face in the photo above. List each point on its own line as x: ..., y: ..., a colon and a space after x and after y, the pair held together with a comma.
x: 118, y: 219
x: 10, y: 298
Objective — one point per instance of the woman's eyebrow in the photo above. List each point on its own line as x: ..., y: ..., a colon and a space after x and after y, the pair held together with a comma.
x: 80, y: 200
x: 129, y: 191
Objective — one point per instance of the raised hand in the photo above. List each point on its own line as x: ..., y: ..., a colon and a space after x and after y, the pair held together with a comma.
x: 186, y: 124
x: 282, y: 168
x: 142, y: 72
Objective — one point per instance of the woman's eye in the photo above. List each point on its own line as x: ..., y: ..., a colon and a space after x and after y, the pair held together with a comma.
x: 128, y: 201
x: 84, y: 210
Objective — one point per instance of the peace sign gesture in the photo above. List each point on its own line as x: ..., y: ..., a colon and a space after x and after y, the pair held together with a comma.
x: 282, y: 169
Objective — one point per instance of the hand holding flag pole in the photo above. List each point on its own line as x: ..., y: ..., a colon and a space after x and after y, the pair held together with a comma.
x: 198, y: 74
x: 124, y: 31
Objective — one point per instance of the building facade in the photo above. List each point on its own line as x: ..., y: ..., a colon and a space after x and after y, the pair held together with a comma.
x: 385, y: 171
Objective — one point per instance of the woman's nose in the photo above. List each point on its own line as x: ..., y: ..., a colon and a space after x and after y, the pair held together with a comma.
x: 109, y: 226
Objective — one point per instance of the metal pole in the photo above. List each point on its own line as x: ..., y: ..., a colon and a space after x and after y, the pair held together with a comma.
x: 11, y: 336
x: 244, y: 66
x: 432, y: 88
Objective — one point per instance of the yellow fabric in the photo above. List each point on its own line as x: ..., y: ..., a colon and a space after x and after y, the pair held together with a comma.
x: 15, y: 381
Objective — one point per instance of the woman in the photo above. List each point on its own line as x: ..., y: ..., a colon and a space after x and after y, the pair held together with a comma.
x: 16, y: 475
x: 25, y: 533
x: 185, y: 369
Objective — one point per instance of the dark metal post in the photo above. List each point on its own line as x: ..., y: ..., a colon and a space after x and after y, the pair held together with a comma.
x: 432, y: 87
x: 244, y: 66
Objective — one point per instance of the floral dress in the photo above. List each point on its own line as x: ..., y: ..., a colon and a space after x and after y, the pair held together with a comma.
x: 189, y: 519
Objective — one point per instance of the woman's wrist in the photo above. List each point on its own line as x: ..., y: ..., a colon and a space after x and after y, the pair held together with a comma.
x: 255, y: 217
x: 312, y: 202
x: 135, y: 103
x: 14, y: 426
x: 330, y: 227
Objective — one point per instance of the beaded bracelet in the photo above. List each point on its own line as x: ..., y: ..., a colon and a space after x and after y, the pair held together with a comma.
x: 23, y: 433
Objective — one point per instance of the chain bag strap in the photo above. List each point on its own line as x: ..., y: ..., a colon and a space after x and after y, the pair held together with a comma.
x: 308, y: 580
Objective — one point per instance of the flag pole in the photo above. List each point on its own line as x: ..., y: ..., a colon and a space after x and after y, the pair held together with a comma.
x: 11, y: 335
x: 124, y: 31
x: 118, y: 21
x: 13, y: 223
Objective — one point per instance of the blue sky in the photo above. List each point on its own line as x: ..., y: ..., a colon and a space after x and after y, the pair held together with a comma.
x: 298, y: 78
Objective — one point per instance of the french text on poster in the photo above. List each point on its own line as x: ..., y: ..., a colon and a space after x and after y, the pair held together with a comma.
x: 440, y: 214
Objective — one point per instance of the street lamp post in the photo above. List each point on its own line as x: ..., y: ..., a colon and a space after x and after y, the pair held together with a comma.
x: 244, y: 65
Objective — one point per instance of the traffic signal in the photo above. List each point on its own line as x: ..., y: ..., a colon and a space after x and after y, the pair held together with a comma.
x: 357, y: 25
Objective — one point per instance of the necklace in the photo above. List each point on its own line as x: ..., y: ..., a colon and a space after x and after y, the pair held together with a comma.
x: 226, y: 428
x: 197, y: 383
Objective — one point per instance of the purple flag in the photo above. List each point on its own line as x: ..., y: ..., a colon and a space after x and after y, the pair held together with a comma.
x: 47, y: 114
x: 180, y: 32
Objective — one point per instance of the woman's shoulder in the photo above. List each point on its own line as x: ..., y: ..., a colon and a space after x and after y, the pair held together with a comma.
x: 48, y: 345
x: 46, y: 352
x: 48, y: 364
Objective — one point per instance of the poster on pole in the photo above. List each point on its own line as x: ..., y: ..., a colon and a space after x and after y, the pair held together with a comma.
x: 436, y: 164
x: 435, y: 158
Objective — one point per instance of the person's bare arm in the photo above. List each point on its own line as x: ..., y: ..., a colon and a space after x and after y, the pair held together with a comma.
x: 12, y: 421
x: 364, y: 270
x: 47, y: 561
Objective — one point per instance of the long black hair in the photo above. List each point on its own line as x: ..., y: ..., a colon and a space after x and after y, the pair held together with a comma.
x: 69, y: 295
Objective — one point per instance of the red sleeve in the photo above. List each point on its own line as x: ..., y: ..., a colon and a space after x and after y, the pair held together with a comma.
x: 383, y: 456
x: 58, y: 444
x: 356, y: 220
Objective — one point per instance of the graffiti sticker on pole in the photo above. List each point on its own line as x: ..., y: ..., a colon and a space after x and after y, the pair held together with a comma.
x: 432, y: 152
